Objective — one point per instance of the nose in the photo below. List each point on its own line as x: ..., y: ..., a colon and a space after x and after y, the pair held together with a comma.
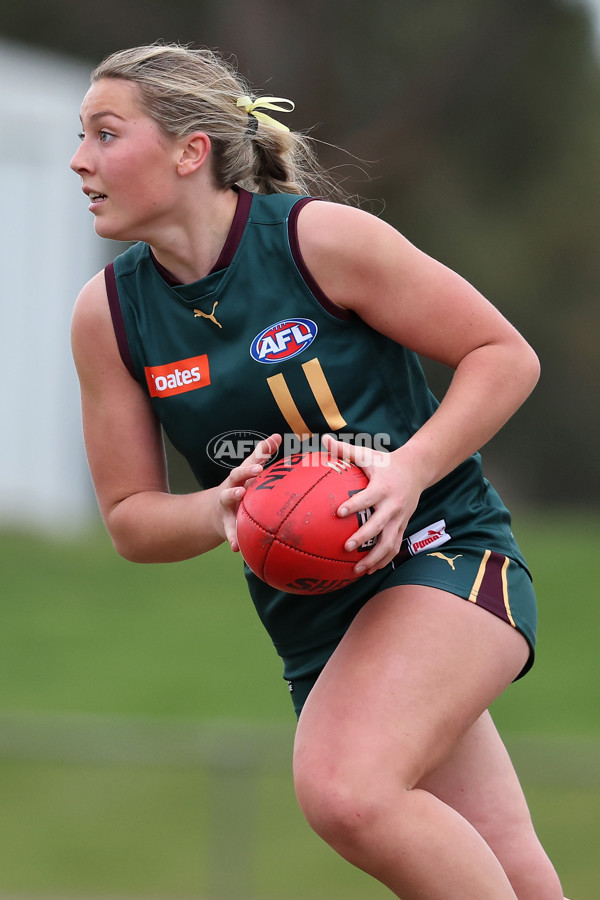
x: 80, y: 163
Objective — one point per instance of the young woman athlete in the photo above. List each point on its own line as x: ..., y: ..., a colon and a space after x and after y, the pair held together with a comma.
x: 247, y: 307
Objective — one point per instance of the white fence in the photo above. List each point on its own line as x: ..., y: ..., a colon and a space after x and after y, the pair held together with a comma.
x: 48, y: 249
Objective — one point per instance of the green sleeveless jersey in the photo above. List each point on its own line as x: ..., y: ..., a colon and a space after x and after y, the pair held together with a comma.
x: 255, y: 348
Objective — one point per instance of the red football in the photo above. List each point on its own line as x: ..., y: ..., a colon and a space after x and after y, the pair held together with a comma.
x: 287, y: 528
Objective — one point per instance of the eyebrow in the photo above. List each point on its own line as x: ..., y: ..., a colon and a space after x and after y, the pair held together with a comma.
x: 100, y: 115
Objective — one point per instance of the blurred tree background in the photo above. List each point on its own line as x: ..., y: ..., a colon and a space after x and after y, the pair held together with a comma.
x: 479, y: 122
x: 473, y: 126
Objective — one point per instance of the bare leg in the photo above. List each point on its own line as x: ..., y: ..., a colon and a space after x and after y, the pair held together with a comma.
x: 478, y: 780
x: 415, y: 671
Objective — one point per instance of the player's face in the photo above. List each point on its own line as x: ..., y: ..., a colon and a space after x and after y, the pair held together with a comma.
x: 126, y: 164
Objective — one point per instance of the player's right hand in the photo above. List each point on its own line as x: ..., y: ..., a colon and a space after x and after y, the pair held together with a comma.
x: 234, y: 486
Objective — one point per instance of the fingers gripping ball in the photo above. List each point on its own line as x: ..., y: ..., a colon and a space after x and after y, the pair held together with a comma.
x: 287, y: 527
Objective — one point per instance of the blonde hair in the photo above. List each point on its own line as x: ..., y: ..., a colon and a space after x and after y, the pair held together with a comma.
x: 185, y: 90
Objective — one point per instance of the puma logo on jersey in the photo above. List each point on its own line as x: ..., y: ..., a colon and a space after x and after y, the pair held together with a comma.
x: 448, y: 559
x: 211, y: 315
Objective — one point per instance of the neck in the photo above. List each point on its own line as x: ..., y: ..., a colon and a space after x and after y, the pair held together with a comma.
x: 189, y: 249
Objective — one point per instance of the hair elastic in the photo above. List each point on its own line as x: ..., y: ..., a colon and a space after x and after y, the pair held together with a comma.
x: 273, y: 103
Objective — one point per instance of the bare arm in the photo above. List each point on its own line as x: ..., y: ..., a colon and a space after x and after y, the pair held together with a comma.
x: 126, y: 455
x: 365, y: 265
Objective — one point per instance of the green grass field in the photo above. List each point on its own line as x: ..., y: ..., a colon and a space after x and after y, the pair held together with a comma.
x: 145, y: 729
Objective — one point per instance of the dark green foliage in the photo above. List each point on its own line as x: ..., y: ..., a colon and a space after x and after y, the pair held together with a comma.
x: 480, y: 124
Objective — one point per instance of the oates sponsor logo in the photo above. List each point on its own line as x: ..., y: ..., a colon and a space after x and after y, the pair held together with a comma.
x: 283, y: 340
x: 178, y: 377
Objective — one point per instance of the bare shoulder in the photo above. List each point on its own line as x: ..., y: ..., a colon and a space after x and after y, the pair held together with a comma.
x: 364, y: 264
x: 90, y: 312
x: 122, y: 434
x: 335, y: 226
x: 92, y: 298
x: 93, y: 338
x: 351, y: 252
x: 91, y: 304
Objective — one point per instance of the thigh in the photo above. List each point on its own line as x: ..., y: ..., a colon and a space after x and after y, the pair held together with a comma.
x: 415, y: 670
x: 493, y: 581
x: 478, y: 780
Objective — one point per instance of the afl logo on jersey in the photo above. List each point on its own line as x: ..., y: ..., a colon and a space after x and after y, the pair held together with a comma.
x: 283, y: 340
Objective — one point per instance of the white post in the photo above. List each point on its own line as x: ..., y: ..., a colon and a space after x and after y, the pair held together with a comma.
x: 48, y: 249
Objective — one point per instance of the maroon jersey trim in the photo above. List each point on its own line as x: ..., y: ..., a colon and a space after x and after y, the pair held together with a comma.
x: 335, y: 310
x: 242, y: 211
x: 117, y: 318
x: 231, y: 244
x: 225, y: 258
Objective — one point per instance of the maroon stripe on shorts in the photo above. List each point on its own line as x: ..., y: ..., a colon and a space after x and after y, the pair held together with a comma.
x: 490, y: 589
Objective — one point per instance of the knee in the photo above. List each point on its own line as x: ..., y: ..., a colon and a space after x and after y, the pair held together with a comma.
x: 339, y: 806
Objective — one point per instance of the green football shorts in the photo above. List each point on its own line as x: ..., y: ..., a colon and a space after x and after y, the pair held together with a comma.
x: 493, y: 581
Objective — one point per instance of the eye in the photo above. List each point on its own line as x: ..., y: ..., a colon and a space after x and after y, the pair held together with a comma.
x: 103, y: 136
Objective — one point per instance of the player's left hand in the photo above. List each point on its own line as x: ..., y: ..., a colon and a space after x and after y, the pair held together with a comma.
x: 392, y: 493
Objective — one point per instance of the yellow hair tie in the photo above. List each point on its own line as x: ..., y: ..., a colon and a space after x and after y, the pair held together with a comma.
x: 274, y: 103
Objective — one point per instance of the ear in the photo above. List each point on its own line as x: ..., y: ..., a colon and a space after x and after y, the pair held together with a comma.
x: 193, y: 152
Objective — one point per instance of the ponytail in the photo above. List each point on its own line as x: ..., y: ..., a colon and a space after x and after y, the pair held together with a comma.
x: 185, y: 90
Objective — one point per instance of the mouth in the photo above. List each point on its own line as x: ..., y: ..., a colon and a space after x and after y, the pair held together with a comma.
x: 94, y: 196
